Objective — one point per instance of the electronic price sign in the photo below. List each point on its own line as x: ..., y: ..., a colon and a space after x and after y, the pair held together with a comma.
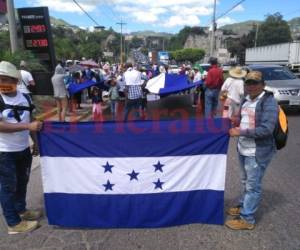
x: 37, y: 36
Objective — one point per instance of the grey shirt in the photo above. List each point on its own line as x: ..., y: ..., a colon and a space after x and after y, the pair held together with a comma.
x: 58, y: 83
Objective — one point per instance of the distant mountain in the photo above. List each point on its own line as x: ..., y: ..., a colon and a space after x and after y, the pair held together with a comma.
x: 60, y: 22
x: 240, y: 28
x: 295, y: 23
x: 151, y: 33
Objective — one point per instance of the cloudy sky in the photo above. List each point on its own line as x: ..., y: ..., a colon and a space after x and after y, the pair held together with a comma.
x: 161, y: 15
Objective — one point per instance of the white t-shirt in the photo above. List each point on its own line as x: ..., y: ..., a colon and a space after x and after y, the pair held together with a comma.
x: 16, y: 141
x: 24, y: 82
x: 235, y: 88
x: 133, y: 77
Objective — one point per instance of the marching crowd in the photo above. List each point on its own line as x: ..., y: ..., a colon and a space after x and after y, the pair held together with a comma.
x: 242, y: 95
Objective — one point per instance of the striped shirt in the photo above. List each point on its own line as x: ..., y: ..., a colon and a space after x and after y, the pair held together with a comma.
x: 247, y: 145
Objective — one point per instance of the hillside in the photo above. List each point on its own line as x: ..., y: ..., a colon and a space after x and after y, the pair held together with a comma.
x: 244, y: 27
x: 240, y: 28
x: 60, y: 22
x: 147, y: 33
x: 295, y: 23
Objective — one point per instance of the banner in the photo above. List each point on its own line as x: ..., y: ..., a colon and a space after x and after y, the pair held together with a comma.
x: 140, y: 174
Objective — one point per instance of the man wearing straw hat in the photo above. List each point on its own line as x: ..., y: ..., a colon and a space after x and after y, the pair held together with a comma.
x: 232, y: 91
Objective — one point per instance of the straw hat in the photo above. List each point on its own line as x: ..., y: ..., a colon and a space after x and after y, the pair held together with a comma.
x: 237, y: 72
x: 8, y: 69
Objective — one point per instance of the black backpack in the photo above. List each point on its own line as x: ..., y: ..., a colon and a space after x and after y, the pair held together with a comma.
x: 16, y: 108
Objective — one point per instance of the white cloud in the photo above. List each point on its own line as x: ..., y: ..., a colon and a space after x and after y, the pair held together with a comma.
x: 164, y: 3
x: 64, y: 5
x: 173, y: 21
x: 199, y: 11
x: 239, y: 8
x: 225, y: 20
x: 145, y: 17
x: 167, y: 13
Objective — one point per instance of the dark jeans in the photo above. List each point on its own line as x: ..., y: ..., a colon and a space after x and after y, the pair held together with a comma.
x: 14, y: 177
x: 132, y: 104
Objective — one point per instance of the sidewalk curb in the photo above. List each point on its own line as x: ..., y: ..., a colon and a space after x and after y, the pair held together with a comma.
x: 46, y: 115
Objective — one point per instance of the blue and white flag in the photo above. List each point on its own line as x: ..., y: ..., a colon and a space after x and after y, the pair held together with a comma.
x: 166, y: 84
x: 138, y: 174
x: 74, y: 87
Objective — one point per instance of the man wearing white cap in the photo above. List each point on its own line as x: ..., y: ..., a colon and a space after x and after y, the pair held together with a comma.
x: 15, y: 155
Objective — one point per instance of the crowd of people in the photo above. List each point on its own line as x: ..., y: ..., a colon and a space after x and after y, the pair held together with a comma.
x: 252, y: 110
x: 118, y: 83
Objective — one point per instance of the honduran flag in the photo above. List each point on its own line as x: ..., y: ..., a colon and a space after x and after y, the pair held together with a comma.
x: 166, y: 84
x: 140, y: 174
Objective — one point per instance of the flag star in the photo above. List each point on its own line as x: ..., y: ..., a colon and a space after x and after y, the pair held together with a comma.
x: 158, y: 184
x: 133, y: 175
x: 158, y: 166
x: 108, y: 186
x: 107, y: 167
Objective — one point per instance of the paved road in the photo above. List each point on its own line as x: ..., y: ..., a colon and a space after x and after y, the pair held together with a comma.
x: 278, y: 217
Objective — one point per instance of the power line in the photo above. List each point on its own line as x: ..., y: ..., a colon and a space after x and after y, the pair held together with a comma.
x: 233, y: 7
x: 86, y: 12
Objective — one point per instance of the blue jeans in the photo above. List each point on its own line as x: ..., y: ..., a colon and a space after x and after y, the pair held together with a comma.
x: 133, y: 104
x: 113, y: 108
x: 211, y: 102
x: 14, y: 177
x: 251, y: 177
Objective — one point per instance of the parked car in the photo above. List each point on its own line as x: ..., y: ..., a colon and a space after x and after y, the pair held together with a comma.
x: 282, y: 82
x: 205, y: 66
x: 174, y: 69
x: 226, y: 67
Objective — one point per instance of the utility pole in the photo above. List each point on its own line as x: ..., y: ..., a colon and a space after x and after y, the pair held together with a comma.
x: 256, y: 33
x: 12, y: 26
x: 121, y: 48
x: 212, y: 39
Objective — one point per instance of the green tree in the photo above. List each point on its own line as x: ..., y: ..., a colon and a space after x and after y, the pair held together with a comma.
x: 237, y: 46
x: 274, y: 30
x: 192, y: 55
x: 136, y: 42
x: 4, y: 43
x: 26, y: 55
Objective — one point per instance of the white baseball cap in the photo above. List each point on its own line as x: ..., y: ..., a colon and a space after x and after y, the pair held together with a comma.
x: 23, y: 64
x: 8, y: 69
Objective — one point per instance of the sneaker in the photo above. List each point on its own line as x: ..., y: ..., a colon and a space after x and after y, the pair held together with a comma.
x: 31, y: 215
x: 234, y: 211
x: 23, y: 227
x: 239, y: 224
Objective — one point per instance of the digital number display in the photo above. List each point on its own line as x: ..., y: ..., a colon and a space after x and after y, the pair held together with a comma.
x: 37, y: 43
x: 39, y: 28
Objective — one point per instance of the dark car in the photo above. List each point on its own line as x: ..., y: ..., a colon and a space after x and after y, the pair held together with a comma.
x: 282, y: 82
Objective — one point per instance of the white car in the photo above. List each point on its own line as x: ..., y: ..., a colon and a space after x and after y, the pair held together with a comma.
x: 174, y: 69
